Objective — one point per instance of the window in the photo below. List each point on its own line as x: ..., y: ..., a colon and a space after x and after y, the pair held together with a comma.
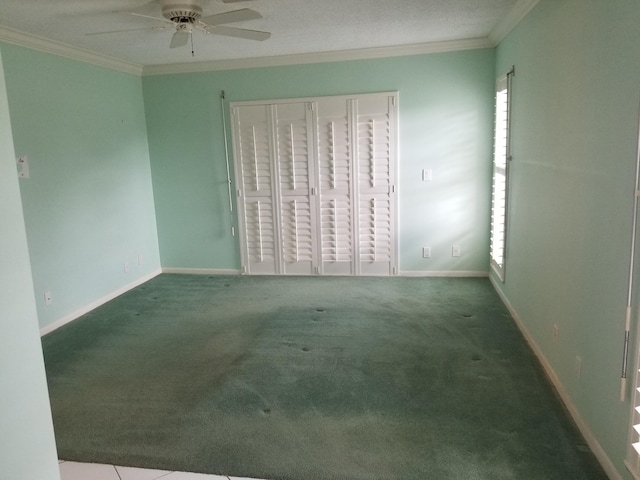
x: 501, y: 158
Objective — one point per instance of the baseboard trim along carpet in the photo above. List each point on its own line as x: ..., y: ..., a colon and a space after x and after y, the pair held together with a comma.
x: 202, y: 271
x: 445, y: 273
x: 588, y: 435
x: 404, y: 273
x: 93, y: 305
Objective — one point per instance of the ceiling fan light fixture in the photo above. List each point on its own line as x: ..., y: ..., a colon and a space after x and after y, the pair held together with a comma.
x: 182, y: 13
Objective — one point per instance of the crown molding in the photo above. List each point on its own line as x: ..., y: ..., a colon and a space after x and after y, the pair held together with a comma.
x: 517, y: 13
x: 22, y: 39
x: 319, y: 57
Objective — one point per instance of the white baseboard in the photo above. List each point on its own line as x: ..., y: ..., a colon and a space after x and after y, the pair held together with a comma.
x: 202, y: 271
x: 589, y: 436
x: 101, y: 301
x: 406, y: 273
x: 450, y: 273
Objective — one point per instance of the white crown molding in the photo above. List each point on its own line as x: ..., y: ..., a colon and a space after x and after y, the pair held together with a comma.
x: 517, y: 13
x: 319, y: 57
x: 22, y: 39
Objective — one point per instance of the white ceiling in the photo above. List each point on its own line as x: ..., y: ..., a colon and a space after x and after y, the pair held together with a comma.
x: 296, y: 26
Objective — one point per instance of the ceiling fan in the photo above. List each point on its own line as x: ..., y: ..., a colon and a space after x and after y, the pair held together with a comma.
x: 186, y: 16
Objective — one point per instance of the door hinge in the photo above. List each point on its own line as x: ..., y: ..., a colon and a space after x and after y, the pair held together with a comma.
x: 239, y: 192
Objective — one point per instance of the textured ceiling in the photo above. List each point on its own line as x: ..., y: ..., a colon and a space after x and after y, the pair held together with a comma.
x: 296, y: 26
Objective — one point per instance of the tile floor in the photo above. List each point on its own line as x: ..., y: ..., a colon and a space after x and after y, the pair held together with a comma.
x: 97, y: 471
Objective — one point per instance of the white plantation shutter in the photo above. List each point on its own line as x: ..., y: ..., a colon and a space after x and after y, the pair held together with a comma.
x: 257, y: 218
x: 500, y: 181
x: 376, y: 180
x: 293, y: 135
x: 335, y: 191
x: 316, y: 185
x: 260, y: 235
x: 633, y: 453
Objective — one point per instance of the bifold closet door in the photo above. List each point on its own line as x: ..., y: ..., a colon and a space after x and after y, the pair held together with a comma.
x: 316, y: 185
x: 257, y: 213
x: 335, y: 186
x: 376, y: 219
x: 294, y: 177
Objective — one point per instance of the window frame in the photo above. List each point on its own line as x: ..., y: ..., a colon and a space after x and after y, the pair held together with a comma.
x: 500, y: 173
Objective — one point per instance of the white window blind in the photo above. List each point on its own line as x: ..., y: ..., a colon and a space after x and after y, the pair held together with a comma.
x: 500, y: 181
x: 316, y: 184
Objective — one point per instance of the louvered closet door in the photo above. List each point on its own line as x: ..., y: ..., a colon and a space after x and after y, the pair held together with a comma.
x: 256, y: 206
x: 295, y: 177
x: 376, y: 137
x: 335, y: 172
x: 316, y: 185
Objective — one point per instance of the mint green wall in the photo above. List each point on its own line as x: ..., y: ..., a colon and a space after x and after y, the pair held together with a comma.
x: 446, y: 124
x: 27, y: 444
x: 575, y: 128
x: 88, y: 205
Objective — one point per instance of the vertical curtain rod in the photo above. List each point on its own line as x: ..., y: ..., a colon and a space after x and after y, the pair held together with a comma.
x: 226, y: 156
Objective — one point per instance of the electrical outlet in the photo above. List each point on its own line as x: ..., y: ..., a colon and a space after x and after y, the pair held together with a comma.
x: 139, y: 259
x: 126, y: 267
x: 578, y: 367
x: 426, y: 252
x: 23, y: 166
x: 456, y: 251
x: 48, y: 298
x: 556, y: 333
x: 427, y: 175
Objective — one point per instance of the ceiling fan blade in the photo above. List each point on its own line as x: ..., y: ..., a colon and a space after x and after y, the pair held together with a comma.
x: 179, y: 39
x: 125, y: 30
x: 240, y: 33
x: 158, y: 19
x: 231, y: 17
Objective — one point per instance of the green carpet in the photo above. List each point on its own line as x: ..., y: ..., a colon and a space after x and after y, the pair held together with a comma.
x: 310, y: 378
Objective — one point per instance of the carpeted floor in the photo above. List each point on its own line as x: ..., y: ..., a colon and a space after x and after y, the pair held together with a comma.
x: 319, y: 378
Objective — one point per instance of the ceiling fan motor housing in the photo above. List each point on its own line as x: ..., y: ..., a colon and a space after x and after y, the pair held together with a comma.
x: 182, y: 13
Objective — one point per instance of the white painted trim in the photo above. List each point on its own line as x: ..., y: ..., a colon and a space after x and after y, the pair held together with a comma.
x: 517, y: 13
x: 42, y: 44
x: 202, y: 271
x: 589, y: 436
x: 450, y: 273
x: 93, y: 305
x: 319, y: 57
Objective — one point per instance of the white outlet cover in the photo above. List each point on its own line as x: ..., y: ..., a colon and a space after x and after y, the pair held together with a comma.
x: 426, y: 252
x: 23, y: 166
